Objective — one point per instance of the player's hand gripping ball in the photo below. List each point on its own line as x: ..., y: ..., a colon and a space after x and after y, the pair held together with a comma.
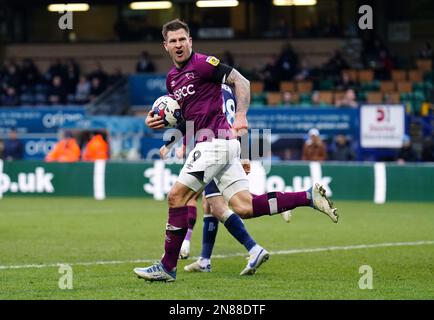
x: 169, y: 111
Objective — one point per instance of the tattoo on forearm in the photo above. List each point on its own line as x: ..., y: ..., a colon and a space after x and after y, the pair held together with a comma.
x: 242, y: 89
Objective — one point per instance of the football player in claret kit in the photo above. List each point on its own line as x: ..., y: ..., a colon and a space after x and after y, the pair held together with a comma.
x: 215, y: 207
x: 195, y: 81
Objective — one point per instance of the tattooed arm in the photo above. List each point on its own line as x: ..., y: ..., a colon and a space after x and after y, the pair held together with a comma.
x: 242, y: 93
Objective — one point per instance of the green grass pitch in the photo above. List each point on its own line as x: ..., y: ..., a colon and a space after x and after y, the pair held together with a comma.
x: 86, y: 234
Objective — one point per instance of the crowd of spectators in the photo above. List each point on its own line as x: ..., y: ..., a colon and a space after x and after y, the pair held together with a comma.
x: 317, y: 147
x: 287, y: 66
x: 22, y: 83
x: 347, y: 88
x: 64, y: 83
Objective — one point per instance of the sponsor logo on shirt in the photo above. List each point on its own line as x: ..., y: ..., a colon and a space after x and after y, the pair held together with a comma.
x: 184, y: 91
x: 213, y: 61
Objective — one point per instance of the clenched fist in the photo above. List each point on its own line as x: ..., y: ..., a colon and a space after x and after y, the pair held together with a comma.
x: 154, y: 122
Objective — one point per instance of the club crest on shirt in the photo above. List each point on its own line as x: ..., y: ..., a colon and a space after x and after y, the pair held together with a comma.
x: 172, y: 84
x: 213, y: 61
x: 189, y: 75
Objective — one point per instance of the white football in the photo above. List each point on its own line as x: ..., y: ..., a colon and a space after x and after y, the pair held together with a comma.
x: 169, y: 110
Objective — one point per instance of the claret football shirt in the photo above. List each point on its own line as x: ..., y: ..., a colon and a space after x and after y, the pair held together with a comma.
x: 199, y: 93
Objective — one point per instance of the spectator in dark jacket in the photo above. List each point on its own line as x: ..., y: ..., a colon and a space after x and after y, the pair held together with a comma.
x: 269, y: 75
x: 57, y: 92
x: 342, y: 150
x: 287, y: 63
x: 56, y: 68
x: 407, y: 153
x: 100, y: 74
x: 12, y: 76
x: 145, y: 64
x: 428, y: 150
x: 10, y: 97
x: 13, y: 148
x: 336, y: 64
x: 72, y: 76
x: 115, y: 76
x: 95, y: 88
x: 30, y: 73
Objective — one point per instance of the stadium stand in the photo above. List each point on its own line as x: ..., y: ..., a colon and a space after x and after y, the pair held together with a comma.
x: 302, y: 72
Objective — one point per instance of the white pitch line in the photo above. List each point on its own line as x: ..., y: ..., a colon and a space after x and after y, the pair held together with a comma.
x: 222, y: 256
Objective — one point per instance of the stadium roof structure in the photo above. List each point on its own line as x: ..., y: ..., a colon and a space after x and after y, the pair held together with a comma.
x: 47, y: 2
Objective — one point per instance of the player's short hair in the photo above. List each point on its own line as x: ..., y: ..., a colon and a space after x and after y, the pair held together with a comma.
x: 173, y: 26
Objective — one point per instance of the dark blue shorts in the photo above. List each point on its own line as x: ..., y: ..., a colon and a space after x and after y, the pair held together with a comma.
x: 211, y: 190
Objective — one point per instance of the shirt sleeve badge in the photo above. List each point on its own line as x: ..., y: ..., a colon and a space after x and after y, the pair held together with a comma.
x: 213, y: 61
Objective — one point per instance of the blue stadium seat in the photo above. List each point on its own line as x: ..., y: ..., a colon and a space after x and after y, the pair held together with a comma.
x: 70, y: 99
x: 27, y: 99
x: 40, y: 98
x: 41, y: 88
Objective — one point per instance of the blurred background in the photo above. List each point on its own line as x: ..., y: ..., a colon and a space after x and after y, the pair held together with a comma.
x: 367, y: 92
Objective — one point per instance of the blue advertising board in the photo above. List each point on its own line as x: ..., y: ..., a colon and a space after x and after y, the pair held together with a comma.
x: 145, y: 89
x: 292, y: 120
x: 37, y: 148
x: 38, y: 119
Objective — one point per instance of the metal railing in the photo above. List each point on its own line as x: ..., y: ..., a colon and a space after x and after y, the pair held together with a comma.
x: 113, y: 101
